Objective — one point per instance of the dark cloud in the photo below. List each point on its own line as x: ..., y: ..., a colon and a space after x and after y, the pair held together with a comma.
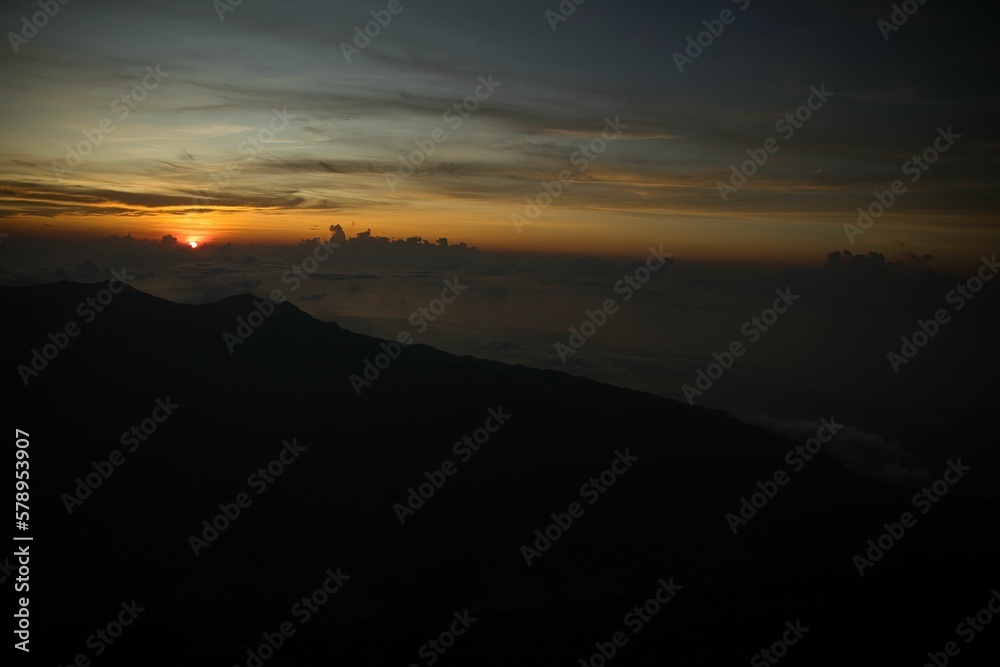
x: 869, y: 265
x: 919, y: 260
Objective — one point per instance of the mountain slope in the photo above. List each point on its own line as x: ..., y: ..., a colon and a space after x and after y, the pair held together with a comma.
x: 333, y: 506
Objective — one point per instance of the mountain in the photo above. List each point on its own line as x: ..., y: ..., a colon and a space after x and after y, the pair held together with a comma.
x: 342, y: 463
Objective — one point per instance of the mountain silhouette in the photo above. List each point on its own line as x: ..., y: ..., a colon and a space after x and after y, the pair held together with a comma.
x: 348, y: 462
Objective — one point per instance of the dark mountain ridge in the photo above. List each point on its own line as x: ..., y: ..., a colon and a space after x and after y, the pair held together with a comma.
x: 335, y: 506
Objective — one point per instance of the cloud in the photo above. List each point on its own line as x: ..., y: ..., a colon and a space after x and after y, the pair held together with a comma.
x: 919, y: 260
x: 871, y: 264
x: 861, y: 451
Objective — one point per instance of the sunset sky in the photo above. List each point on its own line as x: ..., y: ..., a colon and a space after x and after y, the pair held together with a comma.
x: 350, y: 122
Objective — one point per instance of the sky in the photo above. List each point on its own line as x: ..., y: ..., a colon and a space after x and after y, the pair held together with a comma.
x: 256, y: 122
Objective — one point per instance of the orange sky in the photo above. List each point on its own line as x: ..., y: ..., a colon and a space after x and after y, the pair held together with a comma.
x: 111, y: 132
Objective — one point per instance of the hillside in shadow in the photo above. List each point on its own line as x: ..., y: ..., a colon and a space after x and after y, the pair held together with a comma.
x: 353, y: 457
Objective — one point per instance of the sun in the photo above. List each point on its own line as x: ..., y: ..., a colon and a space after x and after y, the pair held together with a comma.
x: 193, y: 244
